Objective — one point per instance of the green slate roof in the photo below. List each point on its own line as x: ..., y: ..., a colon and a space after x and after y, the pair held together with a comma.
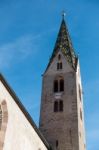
x: 64, y: 44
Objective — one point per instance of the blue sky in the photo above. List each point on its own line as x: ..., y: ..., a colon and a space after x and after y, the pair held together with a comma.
x: 28, y: 30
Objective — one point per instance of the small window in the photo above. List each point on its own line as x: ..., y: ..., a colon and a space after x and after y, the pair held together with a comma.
x: 59, y: 65
x: 55, y: 106
x: 56, y: 86
x: 59, y: 57
x: 58, y: 106
x: 56, y: 143
x: 61, y: 85
x: 61, y: 105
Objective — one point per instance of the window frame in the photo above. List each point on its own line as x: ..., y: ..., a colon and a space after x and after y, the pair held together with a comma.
x: 59, y: 66
x: 58, y: 85
x: 58, y: 106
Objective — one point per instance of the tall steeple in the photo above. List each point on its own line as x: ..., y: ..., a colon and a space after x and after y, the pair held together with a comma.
x: 61, y: 117
x: 64, y: 44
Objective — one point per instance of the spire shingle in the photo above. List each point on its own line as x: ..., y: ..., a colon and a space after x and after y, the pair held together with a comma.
x: 64, y: 44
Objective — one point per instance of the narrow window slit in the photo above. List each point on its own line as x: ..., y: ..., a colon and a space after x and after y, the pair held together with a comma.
x: 57, y: 143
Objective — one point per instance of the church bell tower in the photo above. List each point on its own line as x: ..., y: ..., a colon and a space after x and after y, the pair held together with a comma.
x: 61, y: 115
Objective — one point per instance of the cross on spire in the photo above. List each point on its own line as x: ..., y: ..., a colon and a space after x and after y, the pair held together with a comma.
x: 63, y: 14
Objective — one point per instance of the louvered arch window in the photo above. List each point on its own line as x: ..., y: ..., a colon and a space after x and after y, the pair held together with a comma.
x: 58, y: 106
x: 59, y: 65
x: 58, y: 84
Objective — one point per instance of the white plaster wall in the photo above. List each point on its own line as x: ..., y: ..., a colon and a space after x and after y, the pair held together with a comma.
x: 20, y: 135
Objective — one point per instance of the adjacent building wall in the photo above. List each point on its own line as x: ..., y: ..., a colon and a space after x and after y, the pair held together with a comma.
x: 19, y: 135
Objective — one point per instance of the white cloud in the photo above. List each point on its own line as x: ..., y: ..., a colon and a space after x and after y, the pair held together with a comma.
x: 21, y: 48
x: 18, y: 50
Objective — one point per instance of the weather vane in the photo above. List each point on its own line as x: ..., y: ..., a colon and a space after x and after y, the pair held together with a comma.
x: 63, y: 14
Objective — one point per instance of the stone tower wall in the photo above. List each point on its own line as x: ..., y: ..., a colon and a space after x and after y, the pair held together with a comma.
x: 61, y: 126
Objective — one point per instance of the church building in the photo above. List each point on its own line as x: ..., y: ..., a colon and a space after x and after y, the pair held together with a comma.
x: 61, y: 124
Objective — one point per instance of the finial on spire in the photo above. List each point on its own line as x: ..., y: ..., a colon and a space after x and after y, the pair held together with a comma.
x: 63, y: 14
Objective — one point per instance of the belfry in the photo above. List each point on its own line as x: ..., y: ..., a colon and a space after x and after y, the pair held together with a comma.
x: 61, y: 115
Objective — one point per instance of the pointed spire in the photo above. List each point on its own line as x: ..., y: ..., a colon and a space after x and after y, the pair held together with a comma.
x: 64, y: 44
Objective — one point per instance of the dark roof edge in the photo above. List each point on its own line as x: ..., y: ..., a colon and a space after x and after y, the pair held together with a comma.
x: 27, y: 115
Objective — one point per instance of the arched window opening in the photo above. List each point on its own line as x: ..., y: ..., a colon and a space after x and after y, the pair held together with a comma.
x: 55, y: 106
x: 61, y: 105
x: 0, y: 117
x: 56, y: 143
x: 59, y: 65
x: 61, y: 85
x: 59, y: 57
x: 3, y: 122
x: 58, y: 106
x: 56, y: 86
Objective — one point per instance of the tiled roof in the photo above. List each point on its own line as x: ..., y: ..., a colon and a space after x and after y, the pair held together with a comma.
x: 64, y: 44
